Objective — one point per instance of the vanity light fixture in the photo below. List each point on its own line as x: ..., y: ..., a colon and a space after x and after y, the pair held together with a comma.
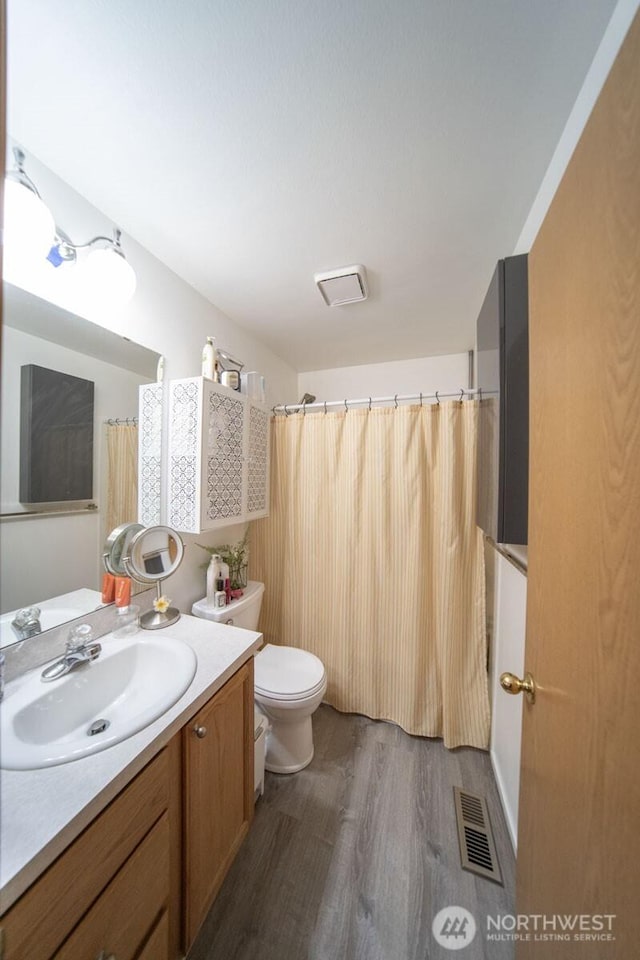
x: 29, y: 227
x: 31, y: 234
x: 104, y: 271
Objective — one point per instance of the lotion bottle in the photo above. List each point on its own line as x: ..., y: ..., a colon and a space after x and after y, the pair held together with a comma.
x: 221, y: 597
x: 209, y: 359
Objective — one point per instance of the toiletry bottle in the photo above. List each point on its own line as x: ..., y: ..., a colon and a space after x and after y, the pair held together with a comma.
x: 123, y: 592
x: 209, y: 359
x: 220, y: 597
x: 212, y: 576
x: 108, y: 588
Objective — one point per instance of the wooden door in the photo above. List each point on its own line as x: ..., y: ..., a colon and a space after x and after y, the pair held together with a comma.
x: 218, y: 800
x: 579, y: 829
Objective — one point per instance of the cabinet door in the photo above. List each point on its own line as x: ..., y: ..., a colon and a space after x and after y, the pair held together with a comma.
x: 184, y: 458
x: 150, y: 454
x: 122, y: 918
x: 257, y: 462
x: 218, y: 801
x: 223, y: 457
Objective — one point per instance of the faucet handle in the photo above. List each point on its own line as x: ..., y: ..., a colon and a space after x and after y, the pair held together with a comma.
x: 79, y: 637
x: 27, y: 616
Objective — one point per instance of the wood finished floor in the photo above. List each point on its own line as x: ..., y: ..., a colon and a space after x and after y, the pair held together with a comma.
x: 352, y: 858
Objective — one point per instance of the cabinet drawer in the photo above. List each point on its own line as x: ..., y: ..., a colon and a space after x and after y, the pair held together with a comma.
x: 157, y: 946
x: 38, y: 923
x: 120, y: 920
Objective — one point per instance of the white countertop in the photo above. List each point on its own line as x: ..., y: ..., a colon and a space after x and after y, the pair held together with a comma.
x: 43, y: 811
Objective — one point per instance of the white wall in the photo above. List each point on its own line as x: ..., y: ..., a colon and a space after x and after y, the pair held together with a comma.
x: 424, y: 374
x: 165, y: 315
x: 507, y: 654
x: 48, y: 556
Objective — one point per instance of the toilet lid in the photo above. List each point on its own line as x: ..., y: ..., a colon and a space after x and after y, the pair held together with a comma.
x: 286, y: 673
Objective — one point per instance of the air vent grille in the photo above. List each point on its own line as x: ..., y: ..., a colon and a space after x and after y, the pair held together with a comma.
x: 477, y: 848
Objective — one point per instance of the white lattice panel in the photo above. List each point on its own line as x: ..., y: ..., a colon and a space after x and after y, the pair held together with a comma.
x: 258, y: 472
x: 184, y: 455
x: 224, y: 457
x: 150, y: 454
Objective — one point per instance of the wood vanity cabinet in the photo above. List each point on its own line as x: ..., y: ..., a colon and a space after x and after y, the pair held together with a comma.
x: 218, y: 793
x: 138, y: 882
x: 114, y: 888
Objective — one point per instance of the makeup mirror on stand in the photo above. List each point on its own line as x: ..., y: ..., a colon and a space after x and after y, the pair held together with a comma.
x: 153, y: 554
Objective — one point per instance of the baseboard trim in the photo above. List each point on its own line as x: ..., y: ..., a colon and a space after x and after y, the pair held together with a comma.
x: 512, y: 828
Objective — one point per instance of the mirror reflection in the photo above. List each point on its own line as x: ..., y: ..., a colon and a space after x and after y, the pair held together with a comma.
x: 51, y: 552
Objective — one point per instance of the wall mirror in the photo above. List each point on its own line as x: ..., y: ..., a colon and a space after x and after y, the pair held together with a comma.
x: 51, y: 554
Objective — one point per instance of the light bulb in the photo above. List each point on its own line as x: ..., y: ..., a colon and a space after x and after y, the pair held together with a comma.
x: 29, y: 228
x: 108, y: 278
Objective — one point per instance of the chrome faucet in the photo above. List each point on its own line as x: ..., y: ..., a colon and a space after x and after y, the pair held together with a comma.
x: 81, y: 648
x: 26, y: 623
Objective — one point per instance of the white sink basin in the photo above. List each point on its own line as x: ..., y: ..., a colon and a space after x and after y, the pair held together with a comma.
x: 131, y: 684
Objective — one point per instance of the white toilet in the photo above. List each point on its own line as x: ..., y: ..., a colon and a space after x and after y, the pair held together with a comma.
x: 289, y: 684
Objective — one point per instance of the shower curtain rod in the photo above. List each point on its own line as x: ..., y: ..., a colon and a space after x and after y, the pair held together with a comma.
x: 117, y: 421
x: 397, y: 398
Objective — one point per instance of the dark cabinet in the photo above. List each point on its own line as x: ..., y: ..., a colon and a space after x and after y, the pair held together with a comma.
x: 503, y: 379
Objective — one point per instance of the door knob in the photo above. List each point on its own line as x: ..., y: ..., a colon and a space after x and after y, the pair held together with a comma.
x: 512, y: 684
x: 200, y: 732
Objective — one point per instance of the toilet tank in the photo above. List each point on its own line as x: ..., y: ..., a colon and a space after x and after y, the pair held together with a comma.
x: 241, y: 613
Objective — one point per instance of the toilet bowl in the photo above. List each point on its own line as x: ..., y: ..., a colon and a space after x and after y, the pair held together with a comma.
x: 289, y: 687
x: 289, y: 684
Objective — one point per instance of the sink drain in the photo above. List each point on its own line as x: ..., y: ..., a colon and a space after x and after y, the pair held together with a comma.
x: 98, y: 726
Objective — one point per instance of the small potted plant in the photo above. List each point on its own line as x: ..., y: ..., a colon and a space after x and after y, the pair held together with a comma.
x: 236, y: 556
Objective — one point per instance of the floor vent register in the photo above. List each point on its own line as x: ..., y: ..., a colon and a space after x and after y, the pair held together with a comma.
x: 477, y: 849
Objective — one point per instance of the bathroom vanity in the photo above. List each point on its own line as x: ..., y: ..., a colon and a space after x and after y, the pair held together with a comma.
x: 121, y: 854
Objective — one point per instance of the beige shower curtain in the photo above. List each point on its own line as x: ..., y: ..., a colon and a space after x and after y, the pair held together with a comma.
x: 122, y: 474
x: 372, y: 560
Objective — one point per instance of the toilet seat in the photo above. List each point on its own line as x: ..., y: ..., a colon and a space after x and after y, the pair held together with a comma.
x: 287, y: 673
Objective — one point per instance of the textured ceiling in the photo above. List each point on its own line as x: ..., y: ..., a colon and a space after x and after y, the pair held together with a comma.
x: 248, y: 144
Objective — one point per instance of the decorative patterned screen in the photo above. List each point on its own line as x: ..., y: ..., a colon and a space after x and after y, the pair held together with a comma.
x: 150, y: 454
x: 184, y: 434
x: 224, y: 450
x: 257, y: 492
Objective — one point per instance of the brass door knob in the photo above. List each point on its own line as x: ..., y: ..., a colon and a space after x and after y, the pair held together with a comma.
x: 200, y: 732
x: 512, y: 684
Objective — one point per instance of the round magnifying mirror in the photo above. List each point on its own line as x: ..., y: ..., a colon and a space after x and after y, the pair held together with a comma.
x: 117, y: 546
x: 153, y: 554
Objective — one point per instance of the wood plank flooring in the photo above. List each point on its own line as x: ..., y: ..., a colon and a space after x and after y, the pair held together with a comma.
x: 352, y: 858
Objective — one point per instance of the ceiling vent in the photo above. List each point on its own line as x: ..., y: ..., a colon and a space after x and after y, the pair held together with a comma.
x: 343, y: 285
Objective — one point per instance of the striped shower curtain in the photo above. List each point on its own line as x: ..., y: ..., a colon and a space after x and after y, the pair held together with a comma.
x: 372, y: 560
x: 122, y: 474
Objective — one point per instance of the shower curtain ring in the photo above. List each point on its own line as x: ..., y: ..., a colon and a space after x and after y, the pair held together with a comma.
x: 437, y: 398
x: 369, y: 404
x: 325, y: 408
x: 286, y: 412
x: 395, y: 400
x: 346, y: 408
x: 461, y: 396
x: 421, y: 398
